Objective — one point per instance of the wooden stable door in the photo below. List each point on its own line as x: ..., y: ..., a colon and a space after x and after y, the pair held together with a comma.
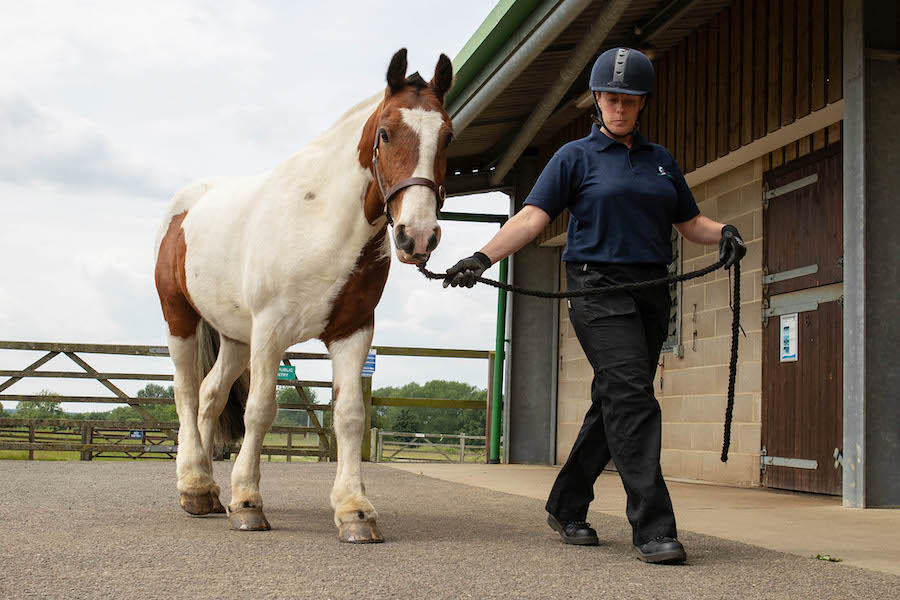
x: 802, y: 403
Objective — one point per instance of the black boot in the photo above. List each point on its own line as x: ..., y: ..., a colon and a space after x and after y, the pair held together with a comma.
x: 573, y: 532
x: 662, y: 550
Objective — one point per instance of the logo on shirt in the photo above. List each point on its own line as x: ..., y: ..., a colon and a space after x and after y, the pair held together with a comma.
x: 662, y: 172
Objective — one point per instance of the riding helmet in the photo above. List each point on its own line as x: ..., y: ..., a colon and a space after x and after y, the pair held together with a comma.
x: 622, y: 71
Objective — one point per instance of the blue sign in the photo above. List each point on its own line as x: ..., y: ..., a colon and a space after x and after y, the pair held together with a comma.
x: 285, y: 372
x: 369, y: 367
x: 136, y: 434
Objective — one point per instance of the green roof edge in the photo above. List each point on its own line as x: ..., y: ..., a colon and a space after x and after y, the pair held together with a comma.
x: 494, y: 31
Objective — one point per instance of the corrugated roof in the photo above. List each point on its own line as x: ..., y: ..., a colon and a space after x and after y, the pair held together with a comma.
x: 485, y: 139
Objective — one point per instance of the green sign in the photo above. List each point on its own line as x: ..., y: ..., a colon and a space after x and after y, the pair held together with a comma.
x: 285, y: 372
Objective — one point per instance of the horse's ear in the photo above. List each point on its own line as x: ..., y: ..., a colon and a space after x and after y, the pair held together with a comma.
x: 443, y: 77
x: 396, y: 73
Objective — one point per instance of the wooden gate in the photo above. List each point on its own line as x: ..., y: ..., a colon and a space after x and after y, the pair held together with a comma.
x: 802, y: 405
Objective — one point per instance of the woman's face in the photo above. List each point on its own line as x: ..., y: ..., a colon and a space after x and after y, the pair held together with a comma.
x: 620, y: 112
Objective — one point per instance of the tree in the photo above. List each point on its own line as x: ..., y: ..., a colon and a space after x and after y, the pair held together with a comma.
x: 3, y: 413
x: 293, y: 417
x: 163, y: 412
x: 40, y: 409
x: 432, y: 420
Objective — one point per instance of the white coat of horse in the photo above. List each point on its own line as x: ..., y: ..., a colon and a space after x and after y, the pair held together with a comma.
x: 246, y: 267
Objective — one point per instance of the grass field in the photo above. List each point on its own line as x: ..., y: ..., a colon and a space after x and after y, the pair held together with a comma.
x: 391, y: 450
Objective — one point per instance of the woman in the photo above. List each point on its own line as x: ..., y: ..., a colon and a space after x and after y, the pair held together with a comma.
x: 624, y: 195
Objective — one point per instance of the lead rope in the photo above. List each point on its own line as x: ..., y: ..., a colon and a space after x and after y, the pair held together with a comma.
x: 627, y: 287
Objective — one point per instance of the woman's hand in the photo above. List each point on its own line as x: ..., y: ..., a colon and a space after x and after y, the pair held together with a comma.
x: 466, y: 271
x: 731, y: 246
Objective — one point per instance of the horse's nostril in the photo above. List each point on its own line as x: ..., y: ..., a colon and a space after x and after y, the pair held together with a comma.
x: 404, y: 242
x: 432, y: 243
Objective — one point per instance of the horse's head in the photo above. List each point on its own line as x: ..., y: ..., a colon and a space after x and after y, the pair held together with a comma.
x: 405, y: 144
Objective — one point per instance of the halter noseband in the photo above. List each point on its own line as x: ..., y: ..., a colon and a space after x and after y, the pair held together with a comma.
x: 439, y: 193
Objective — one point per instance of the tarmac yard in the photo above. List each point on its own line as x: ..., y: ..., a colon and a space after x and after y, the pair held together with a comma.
x: 115, y: 530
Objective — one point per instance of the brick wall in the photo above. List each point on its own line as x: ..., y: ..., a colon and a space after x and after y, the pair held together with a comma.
x: 692, y: 390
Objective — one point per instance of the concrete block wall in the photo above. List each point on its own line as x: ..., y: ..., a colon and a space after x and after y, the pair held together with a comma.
x: 692, y: 390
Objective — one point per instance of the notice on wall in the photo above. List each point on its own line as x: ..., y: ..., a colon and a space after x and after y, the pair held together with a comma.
x: 789, y: 338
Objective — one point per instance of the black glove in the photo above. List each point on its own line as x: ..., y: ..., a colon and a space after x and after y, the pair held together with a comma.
x: 731, y: 246
x: 465, y: 271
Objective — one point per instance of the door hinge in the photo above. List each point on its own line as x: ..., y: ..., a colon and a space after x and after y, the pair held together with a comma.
x: 790, y: 187
x: 791, y: 274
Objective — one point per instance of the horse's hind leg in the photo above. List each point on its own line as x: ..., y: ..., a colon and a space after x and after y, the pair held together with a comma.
x: 194, y: 469
x: 353, y: 513
x: 230, y: 364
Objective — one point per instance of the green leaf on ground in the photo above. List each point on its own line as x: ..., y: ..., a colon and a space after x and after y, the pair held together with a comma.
x: 828, y: 558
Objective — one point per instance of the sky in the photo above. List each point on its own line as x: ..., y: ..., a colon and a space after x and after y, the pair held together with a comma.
x: 108, y: 108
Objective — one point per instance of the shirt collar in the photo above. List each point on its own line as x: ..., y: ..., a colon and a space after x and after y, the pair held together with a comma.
x: 602, y: 141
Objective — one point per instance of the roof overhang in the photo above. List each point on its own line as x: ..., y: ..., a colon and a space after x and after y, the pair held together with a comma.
x: 523, y: 74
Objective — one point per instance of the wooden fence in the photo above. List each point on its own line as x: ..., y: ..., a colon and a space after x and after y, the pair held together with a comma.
x: 150, y: 438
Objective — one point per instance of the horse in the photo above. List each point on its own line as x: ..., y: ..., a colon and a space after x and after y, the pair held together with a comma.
x: 248, y: 266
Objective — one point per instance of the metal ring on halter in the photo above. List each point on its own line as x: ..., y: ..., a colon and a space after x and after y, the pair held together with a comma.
x: 439, y: 193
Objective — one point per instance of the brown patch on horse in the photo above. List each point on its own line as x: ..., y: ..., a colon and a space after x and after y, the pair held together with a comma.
x: 309, y: 196
x: 171, y: 281
x: 354, y: 306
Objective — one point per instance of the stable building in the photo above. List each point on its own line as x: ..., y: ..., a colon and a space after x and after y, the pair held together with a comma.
x: 783, y: 115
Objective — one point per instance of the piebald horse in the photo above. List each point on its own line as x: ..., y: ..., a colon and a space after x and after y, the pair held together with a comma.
x: 246, y: 267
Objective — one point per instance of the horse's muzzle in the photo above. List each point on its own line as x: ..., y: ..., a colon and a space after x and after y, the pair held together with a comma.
x: 415, y: 246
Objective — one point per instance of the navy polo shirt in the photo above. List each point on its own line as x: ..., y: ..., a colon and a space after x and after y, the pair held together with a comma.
x: 623, y: 201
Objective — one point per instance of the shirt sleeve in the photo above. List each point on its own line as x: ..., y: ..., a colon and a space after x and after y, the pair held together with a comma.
x: 555, y: 186
x: 685, y: 207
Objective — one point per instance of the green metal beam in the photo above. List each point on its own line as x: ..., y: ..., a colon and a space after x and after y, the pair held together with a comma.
x: 490, y: 36
x: 473, y: 217
x: 497, y: 394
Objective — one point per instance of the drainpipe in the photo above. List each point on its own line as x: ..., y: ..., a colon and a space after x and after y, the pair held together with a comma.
x: 583, y: 52
x: 545, y: 24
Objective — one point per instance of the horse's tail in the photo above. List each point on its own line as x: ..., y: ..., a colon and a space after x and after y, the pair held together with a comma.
x: 231, y: 421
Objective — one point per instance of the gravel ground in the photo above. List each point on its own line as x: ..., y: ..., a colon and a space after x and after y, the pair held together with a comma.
x: 115, y: 530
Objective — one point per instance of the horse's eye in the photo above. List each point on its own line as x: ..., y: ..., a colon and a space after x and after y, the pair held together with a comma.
x: 384, y: 136
x: 449, y: 139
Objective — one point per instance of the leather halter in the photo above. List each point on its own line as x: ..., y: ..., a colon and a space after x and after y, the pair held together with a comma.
x: 439, y: 194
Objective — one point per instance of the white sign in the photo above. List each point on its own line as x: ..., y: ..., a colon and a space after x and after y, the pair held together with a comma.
x: 788, y: 337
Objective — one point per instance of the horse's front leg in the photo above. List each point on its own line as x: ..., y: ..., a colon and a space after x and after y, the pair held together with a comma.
x: 354, y: 515
x: 245, y: 512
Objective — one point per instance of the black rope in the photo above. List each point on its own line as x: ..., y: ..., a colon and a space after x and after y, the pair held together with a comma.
x: 732, y: 365
x: 627, y: 287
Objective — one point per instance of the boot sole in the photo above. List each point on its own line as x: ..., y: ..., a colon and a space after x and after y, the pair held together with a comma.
x: 672, y: 557
x: 590, y: 541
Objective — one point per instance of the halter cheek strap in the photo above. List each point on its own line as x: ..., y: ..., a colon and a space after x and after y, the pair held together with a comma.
x: 439, y: 193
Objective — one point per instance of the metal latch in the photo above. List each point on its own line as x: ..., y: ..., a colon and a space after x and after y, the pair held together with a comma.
x: 838, y: 458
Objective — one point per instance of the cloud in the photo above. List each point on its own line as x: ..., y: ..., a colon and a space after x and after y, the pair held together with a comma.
x: 43, y: 146
x: 118, y: 104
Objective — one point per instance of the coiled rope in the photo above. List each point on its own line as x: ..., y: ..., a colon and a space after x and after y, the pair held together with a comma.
x: 639, y: 285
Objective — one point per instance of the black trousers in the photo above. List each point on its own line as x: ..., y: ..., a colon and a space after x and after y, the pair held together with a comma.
x: 622, y: 335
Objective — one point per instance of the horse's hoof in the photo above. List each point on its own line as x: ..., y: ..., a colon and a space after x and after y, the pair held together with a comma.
x: 248, y: 519
x: 204, y: 504
x: 360, y: 532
